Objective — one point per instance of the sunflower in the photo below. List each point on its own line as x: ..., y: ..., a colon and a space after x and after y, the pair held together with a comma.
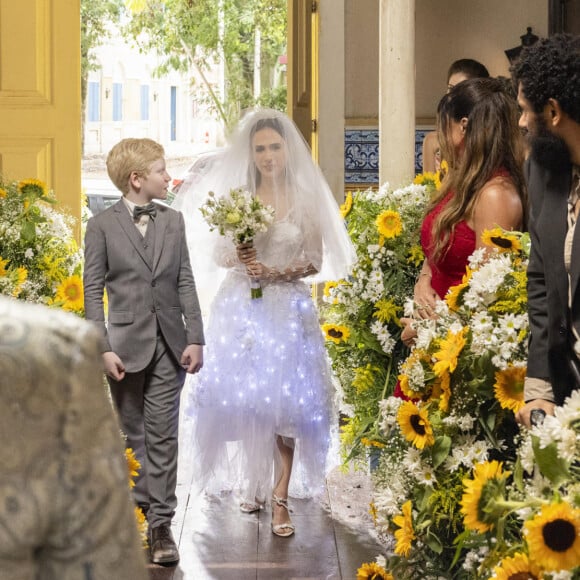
x: 389, y: 223
x: 553, y: 537
x: 31, y: 187
x: 328, y: 287
x: 415, y: 425
x: 70, y: 294
x: 133, y: 465
x: 336, y: 333
x: 3, y: 264
x: 371, y: 443
x: 372, y: 571
x: 455, y: 293
x: 516, y: 567
x: 20, y: 276
x: 416, y: 255
x: 487, y: 485
x: 142, y: 526
x: 442, y: 391
x: 451, y: 348
x: 503, y: 241
x: 405, y: 534
x: 386, y: 311
x: 347, y: 205
x: 509, y: 388
x: 3, y: 193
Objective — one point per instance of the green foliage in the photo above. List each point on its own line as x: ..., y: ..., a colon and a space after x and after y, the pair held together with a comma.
x: 200, y: 33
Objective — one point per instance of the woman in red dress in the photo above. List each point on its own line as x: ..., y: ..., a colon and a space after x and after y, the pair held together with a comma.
x: 477, y: 124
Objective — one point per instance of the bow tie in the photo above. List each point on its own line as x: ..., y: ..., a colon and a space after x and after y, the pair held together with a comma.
x: 148, y: 209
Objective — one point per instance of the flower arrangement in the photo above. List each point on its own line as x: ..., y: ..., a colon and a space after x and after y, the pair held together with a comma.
x: 462, y: 382
x: 133, y: 465
x: 361, y: 314
x: 239, y: 216
x: 39, y: 257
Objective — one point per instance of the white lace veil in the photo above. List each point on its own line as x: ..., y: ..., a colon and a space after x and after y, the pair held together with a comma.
x: 304, y: 196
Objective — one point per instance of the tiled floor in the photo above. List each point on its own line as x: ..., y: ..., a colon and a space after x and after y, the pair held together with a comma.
x: 216, y: 541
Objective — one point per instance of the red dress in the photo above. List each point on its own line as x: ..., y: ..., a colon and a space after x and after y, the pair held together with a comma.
x: 449, y: 269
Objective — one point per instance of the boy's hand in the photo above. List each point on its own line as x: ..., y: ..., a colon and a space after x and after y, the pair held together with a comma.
x: 192, y: 358
x: 114, y: 366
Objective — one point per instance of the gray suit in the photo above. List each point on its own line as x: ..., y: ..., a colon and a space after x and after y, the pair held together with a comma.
x: 153, y: 313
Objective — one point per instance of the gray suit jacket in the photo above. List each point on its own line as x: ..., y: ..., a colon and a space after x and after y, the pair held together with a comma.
x: 143, y: 295
x: 550, y: 322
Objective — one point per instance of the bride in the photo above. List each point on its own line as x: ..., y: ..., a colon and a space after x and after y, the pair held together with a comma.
x: 263, y: 403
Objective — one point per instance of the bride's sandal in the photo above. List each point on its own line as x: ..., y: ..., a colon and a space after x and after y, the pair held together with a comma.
x: 249, y: 507
x: 286, y: 529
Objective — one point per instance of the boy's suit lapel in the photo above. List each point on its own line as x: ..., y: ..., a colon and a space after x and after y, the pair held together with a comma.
x: 128, y: 225
x: 160, y: 227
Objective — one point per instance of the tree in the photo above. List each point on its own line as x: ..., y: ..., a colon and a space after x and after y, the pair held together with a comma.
x: 199, y: 34
x: 95, y: 15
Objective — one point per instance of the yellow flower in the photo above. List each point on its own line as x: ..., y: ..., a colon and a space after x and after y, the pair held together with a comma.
x: 373, y: 511
x: 370, y: 443
x: 405, y: 534
x: 451, y: 348
x: 364, y: 378
x: 416, y: 255
x: 328, y: 287
x: 3, y: 192
x: 389, y: 223
x: 21, y: 276
x: 133, y: 465
x: 487, y: 484
x: 553, y: 537
x: 386, y: 311
x: 442, y: 391
x: 503, y: 241
x: 509, y: 388
x: 516, y: 567
x: 454, y: 293
x: 336, y: 332
x: 70, y: 294
x: 347, y: 205
x: 142, y: 526
x: 3, y: 264
x: 428, y: 178
x: 416, y: 357
x: 31, y: 186
x: 233, y: 217
x: 372, y: 571
x: 415, y: 425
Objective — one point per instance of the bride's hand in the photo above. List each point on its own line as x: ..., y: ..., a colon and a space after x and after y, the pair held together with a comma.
x: 408, y: 334
x: 425, y: 298
x: 246, y: 253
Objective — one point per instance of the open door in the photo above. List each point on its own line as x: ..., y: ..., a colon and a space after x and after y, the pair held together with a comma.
x: 40, y: 100
x: 303, y: 68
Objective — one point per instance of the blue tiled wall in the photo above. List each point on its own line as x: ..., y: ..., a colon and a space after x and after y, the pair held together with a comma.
x: 361, y: 155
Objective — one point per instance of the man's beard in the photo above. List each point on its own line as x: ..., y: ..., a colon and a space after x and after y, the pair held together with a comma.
x: 548, y: 150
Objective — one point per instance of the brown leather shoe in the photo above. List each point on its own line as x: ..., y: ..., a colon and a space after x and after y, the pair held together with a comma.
x: 162, y: 545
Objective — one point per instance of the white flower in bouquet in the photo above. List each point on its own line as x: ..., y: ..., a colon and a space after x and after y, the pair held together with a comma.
x: 239, y: 216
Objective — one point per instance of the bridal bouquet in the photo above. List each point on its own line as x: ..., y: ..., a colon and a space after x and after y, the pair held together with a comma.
x: 239, y: 216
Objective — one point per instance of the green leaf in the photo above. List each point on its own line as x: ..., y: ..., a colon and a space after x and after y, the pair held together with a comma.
x: 440, y: 450
x: 551, y: 465
x: 434, y: 542
x: 28, y: 231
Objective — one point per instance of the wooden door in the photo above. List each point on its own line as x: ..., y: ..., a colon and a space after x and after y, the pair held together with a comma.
x: 40, y: 102
x: 303, y: 68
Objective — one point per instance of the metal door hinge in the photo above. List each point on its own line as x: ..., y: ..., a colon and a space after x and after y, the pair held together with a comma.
x: 314, y: 6
x: 314, y: 125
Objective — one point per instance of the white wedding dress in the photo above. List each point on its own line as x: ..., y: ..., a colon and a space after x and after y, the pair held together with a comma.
x: 266, y: 373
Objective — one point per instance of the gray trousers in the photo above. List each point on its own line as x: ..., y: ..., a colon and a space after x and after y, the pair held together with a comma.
x: 148, y: 407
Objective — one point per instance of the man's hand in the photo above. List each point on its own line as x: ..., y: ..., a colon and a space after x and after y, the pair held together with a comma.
x: 114, y: 366
x: 523, y: 415
x: 409, y: 334
x: 192, y: 358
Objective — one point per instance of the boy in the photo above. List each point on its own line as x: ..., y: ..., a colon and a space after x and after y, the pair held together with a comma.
x: 137, y: 251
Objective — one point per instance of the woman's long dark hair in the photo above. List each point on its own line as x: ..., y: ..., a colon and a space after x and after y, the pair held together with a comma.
x: 492, y: 142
